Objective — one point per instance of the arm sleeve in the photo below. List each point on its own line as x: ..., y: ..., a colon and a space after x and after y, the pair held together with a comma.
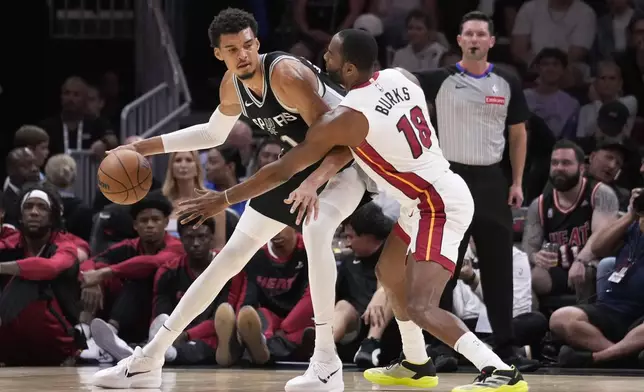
x: 40, y: 268
x: 140, y: 267
x: 518, y: 111
x: 200, y: 136
x: 204, y: 329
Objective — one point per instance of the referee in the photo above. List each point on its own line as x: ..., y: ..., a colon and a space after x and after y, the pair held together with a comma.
x: 474, y: 103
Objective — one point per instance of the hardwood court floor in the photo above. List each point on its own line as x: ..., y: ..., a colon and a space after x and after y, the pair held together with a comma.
x: 198, y: 380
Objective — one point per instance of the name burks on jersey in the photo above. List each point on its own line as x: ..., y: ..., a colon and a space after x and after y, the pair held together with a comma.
x: 269, y: 124
x: 391, y: 98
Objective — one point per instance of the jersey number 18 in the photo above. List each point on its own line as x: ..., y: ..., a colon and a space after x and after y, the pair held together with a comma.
x: 419, y: 125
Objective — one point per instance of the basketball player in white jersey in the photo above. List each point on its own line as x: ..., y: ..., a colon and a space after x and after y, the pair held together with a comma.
x: 384, y: 120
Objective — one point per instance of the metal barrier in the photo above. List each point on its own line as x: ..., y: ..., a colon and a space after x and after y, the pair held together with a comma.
x: 165, y: 99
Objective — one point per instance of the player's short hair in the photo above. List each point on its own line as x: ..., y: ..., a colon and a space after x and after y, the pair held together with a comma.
x: 480, y: 16
x: 370, y: 220
x: 565, y: 144
x: 551, y: 53
x: 231, y: 155
x: 359, y: 48
x: 155, y: 200
x: 209, y: 223
x: 30, y: 136
x: 230, y: 21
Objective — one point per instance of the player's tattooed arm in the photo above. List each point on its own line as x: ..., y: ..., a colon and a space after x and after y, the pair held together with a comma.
x: 340, y: 127
x: 532, y: 231
x: 605, y: 209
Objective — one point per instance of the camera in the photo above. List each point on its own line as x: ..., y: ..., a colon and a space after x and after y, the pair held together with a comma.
x: 638, y: 204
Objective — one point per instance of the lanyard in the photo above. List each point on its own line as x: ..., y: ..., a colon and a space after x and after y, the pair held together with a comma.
x: 79, y: 138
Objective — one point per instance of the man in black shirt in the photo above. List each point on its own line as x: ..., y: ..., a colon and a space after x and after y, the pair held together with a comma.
x: 566, y: 215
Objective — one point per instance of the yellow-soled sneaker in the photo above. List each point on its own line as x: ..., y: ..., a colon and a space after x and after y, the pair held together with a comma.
x: 402, y: 372
x: 493, y: 380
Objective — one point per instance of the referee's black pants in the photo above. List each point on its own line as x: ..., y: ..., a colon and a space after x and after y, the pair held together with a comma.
x: 491, y: 229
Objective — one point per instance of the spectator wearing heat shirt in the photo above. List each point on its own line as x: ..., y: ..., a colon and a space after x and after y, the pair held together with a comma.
x: 279, y: 294
x: 566, y: 215
x: 547, y: 100
x: 611, y: 328
x: 358, y: 298
x: 40, y: 289
x: 120, y: 279
x: 201, y: 343
x: 223, y: 170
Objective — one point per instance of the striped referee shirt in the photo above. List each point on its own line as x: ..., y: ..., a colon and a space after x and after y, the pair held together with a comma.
x: 472, y: 111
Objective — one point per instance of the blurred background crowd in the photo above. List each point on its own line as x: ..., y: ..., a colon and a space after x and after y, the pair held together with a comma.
x: 84, y: 76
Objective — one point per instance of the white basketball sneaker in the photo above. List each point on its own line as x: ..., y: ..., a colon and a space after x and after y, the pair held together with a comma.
x: 136, y: 371
x: 323, y: 375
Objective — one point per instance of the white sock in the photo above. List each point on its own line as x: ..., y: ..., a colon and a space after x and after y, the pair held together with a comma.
x: 318, y: 236
x: 478, y: 353
x: 413, y: 342
x: 228, y: 262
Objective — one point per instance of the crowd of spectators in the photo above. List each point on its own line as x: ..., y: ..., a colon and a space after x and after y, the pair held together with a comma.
x: 84, y: 281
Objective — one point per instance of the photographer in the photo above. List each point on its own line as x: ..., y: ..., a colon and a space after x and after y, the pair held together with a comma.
x: 610, y: 329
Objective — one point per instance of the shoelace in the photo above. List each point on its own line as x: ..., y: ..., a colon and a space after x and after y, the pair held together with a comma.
x: 397, y: 361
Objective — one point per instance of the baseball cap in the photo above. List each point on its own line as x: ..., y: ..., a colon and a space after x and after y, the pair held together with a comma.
x: 612, y: 118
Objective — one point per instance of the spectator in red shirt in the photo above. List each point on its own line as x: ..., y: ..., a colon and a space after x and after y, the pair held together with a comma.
x: 120, y: 280
x: 38, y: 285
x: 212, y: 335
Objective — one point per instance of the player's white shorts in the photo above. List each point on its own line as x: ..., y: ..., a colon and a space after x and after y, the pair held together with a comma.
x: 435, y: 227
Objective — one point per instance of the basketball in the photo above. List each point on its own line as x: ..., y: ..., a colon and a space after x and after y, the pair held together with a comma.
x: 124, y: 177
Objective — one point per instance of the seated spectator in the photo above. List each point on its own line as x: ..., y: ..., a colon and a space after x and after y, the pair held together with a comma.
x: 612, y: 35
x: 223, y: 167
x: 565, y: 217
x: 21, y: 169
x: 60, y: 171
x: 425, y: 49
x: 631, y: 62
x: 279, y: 285
x: 568, y: 25
x: 72, y: 129
x: 39, y: 286
x: 201, y: 343
x: 120, y: 280
x: 35, y: 139
x: 529, y: 327
x: 606, y: 88
x: 605, y: 165
x: 318, y: 21
x: 183, y: 177
x: 269, y: 150
x: 358, y: 298
x: 547, y: 100
x: 241, y: 137
x: 610, y: 329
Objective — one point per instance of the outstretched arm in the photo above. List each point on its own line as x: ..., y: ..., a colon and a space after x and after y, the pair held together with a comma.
x: 200, y: 136
x: 340, y: 127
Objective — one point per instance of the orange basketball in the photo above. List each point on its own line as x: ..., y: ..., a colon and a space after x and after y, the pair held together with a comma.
x: 125, y: 177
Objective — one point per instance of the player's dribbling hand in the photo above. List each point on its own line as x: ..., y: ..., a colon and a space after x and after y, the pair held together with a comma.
x: 375, y: 313
x: 130, y: 147
x: 305, y: 198
x: 206, y: 205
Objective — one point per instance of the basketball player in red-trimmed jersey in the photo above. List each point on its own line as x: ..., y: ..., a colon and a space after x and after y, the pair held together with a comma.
x: 383, y: 119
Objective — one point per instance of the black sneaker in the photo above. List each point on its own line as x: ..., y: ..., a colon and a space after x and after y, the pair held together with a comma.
x: 401, y: 372
x: 368, y: 355
x: 229, y: 348
x: 444, y: 358
x: 571, y: 358
x: 491, y: 380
